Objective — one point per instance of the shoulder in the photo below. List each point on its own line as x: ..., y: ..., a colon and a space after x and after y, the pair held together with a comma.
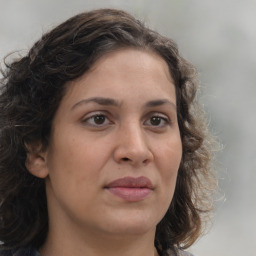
x: 170, y: 252
x: 184, y: 253
x: 20, y: 252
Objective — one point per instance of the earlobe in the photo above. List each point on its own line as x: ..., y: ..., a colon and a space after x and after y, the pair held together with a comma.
x: 36, y: 162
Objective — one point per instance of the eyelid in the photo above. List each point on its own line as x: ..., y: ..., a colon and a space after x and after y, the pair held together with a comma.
x: 164, y: 117
x: 90, y: 115
x: 158, y: 113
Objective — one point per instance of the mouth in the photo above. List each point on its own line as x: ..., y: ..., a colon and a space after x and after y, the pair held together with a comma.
x: 131, y: 189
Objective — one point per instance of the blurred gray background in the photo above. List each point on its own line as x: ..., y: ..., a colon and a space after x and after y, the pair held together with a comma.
x: 219, y: 37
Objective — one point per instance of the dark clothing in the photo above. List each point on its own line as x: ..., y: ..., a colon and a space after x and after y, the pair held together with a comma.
x: 34, y: 252
x: 20, y: 252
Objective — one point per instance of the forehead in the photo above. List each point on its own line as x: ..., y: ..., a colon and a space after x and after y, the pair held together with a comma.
x: 124, y: 73
x: 132, y: 60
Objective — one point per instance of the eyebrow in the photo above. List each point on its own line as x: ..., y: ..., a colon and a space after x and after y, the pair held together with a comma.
x: 112, y: 102
x: 99, y: 100
x: 155, y: 103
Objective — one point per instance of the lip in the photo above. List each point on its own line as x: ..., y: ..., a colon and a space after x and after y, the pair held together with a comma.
x: 130, y: 188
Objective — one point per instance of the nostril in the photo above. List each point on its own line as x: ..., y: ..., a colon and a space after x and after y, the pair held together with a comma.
x: 125, y: 159
x: 145, y: 161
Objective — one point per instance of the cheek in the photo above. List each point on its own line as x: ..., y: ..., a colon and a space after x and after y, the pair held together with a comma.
x: 82, y: 162
x: 169, y: 156
x: 73, y: 173
x: 168, y: 161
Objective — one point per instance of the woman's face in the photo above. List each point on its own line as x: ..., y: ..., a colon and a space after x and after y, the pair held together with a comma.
x: 115, y: 148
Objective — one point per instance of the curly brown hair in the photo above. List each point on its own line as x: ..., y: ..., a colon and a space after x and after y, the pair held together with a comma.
x: 32, y: 88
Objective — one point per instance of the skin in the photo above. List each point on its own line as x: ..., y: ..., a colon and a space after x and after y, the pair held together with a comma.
x: 94, y: 142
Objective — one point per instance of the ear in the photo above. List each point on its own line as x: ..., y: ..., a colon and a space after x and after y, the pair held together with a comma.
x: 36, y: 160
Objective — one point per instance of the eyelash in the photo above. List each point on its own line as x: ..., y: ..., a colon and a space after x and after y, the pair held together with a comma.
x: 160, y: 118
x: 105, y: 117
x: 93, y: 116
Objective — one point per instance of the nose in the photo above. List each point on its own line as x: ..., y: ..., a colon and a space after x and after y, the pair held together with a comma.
x: 132, y: 147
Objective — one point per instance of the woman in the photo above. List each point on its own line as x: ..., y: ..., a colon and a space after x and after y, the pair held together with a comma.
x: 103, y: 150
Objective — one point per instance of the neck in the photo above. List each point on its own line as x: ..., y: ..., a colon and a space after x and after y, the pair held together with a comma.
x: 72, y: 242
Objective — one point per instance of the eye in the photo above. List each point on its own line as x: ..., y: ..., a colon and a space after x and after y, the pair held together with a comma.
x: 157, y: 121
x: 97, y: 120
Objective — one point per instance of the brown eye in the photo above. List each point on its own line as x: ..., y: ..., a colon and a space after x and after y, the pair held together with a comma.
x: 99, y: 119
x: 155, y: 120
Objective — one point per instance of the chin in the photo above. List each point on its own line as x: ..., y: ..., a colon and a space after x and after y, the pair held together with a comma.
x: 132, y: 225
x: 130, y: 231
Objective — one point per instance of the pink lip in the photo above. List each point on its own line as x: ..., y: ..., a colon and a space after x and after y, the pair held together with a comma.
x: 130, y: 188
